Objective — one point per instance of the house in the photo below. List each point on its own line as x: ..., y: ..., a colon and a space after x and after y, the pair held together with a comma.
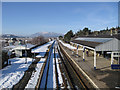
x: 21, y: 50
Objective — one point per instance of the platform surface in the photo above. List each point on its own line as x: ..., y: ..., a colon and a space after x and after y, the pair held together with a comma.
x: 103, y: 76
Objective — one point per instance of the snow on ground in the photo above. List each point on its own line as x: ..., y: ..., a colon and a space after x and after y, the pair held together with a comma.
x: 67, y: 45
x: 41, y: 49
x: 41, y: 54
x: 54, y: 77
x: 11, y: 74
x: 27, y: 46
x: 60, y: 80
x: 35, y: 75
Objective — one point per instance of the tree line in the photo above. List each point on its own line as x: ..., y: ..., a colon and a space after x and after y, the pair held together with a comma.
x: 87, y: 32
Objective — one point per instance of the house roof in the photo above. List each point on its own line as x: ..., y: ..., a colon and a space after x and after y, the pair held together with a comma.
x: 29, y: 46
x: 9, y: 47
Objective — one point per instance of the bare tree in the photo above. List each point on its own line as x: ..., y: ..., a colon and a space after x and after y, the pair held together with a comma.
x: 38, y: 40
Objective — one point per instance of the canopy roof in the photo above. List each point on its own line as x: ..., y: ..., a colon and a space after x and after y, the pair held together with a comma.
x: 99, y: 40
x: 87, y: 43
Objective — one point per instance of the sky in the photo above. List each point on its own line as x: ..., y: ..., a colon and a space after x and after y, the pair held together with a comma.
x: 25, y: 18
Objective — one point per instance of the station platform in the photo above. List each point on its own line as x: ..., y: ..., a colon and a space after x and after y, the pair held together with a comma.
x: 104, y: 77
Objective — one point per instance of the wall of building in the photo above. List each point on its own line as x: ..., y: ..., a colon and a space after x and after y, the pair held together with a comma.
x: 112, y: 45
x: 18, y: 53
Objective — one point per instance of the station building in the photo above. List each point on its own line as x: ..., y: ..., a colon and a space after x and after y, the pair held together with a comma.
x: 107, y: 46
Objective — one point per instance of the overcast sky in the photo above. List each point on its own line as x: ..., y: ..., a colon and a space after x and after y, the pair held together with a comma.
x: 25, y: 18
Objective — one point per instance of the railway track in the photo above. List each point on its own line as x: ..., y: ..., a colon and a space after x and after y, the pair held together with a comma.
x: 75, y: 80
x: 43, y: 82
x: 71, y: 78
x: 47, y: 76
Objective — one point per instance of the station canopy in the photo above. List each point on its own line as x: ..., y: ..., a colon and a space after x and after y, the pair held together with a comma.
x: 110, y: 43
x: 91, y: 41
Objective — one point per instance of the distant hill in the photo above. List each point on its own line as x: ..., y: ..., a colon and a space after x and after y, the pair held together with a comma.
x: 11, y: 36
x: 46, y: 34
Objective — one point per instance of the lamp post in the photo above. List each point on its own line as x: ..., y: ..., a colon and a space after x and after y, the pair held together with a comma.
x: 25, y: 51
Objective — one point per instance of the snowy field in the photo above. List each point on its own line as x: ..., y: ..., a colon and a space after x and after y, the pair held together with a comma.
x: 67, y: 45
x: 35, y: 75
x: 11, y: 74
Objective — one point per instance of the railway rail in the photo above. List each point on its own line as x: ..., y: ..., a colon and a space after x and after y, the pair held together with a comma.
x: 57, y: 83
x: 74, y: 77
